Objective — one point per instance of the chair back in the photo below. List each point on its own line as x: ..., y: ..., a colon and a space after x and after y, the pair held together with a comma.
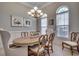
x: 33, y: 33
x: 41, y: 43
x: 24, y: 34
x: 78, y: 45
x: 41, y: 40
x: 51, y: 38
x: 46, y: 37
x: 5, y: 36
x: 73, y: 36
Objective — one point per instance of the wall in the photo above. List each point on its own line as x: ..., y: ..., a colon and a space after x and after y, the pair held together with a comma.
x: 73, y: 9
x: 7, y: 9
x: 15, y: 9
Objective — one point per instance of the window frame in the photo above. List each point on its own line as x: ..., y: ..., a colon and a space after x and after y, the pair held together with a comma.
x: 68, y: 19
x: 44, y: 25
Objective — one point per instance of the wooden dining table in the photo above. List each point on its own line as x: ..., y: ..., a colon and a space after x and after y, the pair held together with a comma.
x: 26, y: 41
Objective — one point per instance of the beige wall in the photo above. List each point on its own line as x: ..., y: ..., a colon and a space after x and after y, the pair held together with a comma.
x: 73, y: 9
x: 7, y: 9
x: 16, y: 9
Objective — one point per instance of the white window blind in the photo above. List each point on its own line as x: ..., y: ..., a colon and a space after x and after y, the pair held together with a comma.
x: 62, y: 22
x: 43, y: 25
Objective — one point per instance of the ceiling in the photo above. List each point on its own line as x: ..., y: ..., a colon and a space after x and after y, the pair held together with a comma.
x: 37, y: 4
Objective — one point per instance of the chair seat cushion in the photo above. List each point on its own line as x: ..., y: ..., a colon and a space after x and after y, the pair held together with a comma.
x: 70, y: 43
x: 35, y: 49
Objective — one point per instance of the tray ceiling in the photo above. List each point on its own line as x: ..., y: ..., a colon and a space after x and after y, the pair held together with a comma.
x: 38, y: 4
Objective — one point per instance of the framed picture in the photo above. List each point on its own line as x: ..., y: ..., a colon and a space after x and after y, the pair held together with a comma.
x: 52, y: 22
x: 27, y: 22
x: 16, y: 21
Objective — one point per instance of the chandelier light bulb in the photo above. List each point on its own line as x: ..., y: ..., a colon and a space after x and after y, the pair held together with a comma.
x: 32, y: 15
x: 35, y: 8
x: 39, y: 11
x: 29, y: 13
x: 32, y: 11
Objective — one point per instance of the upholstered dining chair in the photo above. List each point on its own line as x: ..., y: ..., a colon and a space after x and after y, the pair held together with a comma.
x: 78, y: 45
x: 39, y: 49
x: 24, y: 34
x: 49, y: 44
x: 46, y: 37
x: 5, y: 36
x: 33, y: 33
x: 72, y: 43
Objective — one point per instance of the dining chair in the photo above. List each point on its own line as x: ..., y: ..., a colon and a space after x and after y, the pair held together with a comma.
x: 49, y: 44
x: 78, y: 45
x: 46, y: 37
x: 5, y: 36
x: 72, y: 43
x: 46, y: 41
x: 39, y: 49
x: 33, y: 33
x: 24, y: 34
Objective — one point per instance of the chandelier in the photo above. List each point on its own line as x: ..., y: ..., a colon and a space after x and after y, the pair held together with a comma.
x: 35, y: 12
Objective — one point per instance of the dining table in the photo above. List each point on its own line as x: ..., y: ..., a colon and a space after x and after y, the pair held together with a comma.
x: 26, y: 41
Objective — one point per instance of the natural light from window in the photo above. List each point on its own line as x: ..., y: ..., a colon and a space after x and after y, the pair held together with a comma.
x: 62, y: 22
x: 44, y: 24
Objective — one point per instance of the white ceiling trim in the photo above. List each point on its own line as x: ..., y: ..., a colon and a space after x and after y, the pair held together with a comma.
x: 29, y: 5
x: 46, y: 4
x: 26, y: 4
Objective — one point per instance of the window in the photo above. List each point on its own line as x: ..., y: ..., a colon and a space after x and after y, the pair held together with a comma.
x: 62, y: 22
x: 44, y: 24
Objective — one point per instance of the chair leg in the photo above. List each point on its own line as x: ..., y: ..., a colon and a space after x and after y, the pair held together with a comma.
x: 78, y: 49
x: 48, y: 51
x: 52, y: 49
x: 62, y: 46
x: 44, y: 53
x: 71, y: 50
